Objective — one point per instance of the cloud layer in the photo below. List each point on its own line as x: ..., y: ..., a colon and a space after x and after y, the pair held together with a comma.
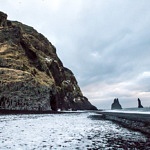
x: 105, y: 43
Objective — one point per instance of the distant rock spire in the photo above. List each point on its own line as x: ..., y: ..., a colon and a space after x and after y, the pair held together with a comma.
x: 139, y: 103
x: 116, y: 104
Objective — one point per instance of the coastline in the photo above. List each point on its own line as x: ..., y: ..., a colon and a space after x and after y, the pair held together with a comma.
x: 16, y: 112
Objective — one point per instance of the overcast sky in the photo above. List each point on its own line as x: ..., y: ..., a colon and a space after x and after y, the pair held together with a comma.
x: 106, y: 43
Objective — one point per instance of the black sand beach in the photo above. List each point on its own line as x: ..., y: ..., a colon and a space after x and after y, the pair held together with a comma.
x: 138, y: 121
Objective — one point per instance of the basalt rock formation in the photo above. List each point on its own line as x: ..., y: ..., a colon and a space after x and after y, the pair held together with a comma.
x: 116, y: 104
x: 139, y: 103
x: 32, y: 77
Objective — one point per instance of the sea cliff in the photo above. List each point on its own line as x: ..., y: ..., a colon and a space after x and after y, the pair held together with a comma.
x: 32, y: 77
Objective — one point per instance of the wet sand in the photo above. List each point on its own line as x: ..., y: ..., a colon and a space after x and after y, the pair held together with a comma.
x: 138, y: 121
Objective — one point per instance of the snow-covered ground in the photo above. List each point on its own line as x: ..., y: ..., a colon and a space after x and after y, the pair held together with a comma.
x: 67, y: 131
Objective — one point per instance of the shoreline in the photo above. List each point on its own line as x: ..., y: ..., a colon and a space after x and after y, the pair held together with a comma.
x: 22, y: 112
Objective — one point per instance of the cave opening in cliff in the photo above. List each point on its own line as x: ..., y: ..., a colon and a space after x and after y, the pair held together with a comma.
x: 53, y: 101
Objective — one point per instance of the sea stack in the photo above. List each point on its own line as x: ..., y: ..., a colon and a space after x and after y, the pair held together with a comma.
x: 116, y: 104
x: 32, y: 77
x: 139, y: 103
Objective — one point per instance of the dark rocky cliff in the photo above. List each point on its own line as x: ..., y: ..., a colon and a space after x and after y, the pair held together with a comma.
x: 32, y: 77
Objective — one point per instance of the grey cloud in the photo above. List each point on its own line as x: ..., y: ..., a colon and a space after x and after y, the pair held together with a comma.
x: 100, y: 41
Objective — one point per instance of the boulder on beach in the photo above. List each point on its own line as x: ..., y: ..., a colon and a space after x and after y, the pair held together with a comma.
x: 116, y: 104
x: 139, y: 103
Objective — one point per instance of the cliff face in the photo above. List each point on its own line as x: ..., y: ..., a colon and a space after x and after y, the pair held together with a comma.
x: 32, y: 77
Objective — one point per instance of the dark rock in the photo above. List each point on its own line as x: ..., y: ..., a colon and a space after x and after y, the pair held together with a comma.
x: 139, y: 103
x: 32, y: 77
x: 53, y: 101
x: 3, y: 19
x: 116, y: 104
